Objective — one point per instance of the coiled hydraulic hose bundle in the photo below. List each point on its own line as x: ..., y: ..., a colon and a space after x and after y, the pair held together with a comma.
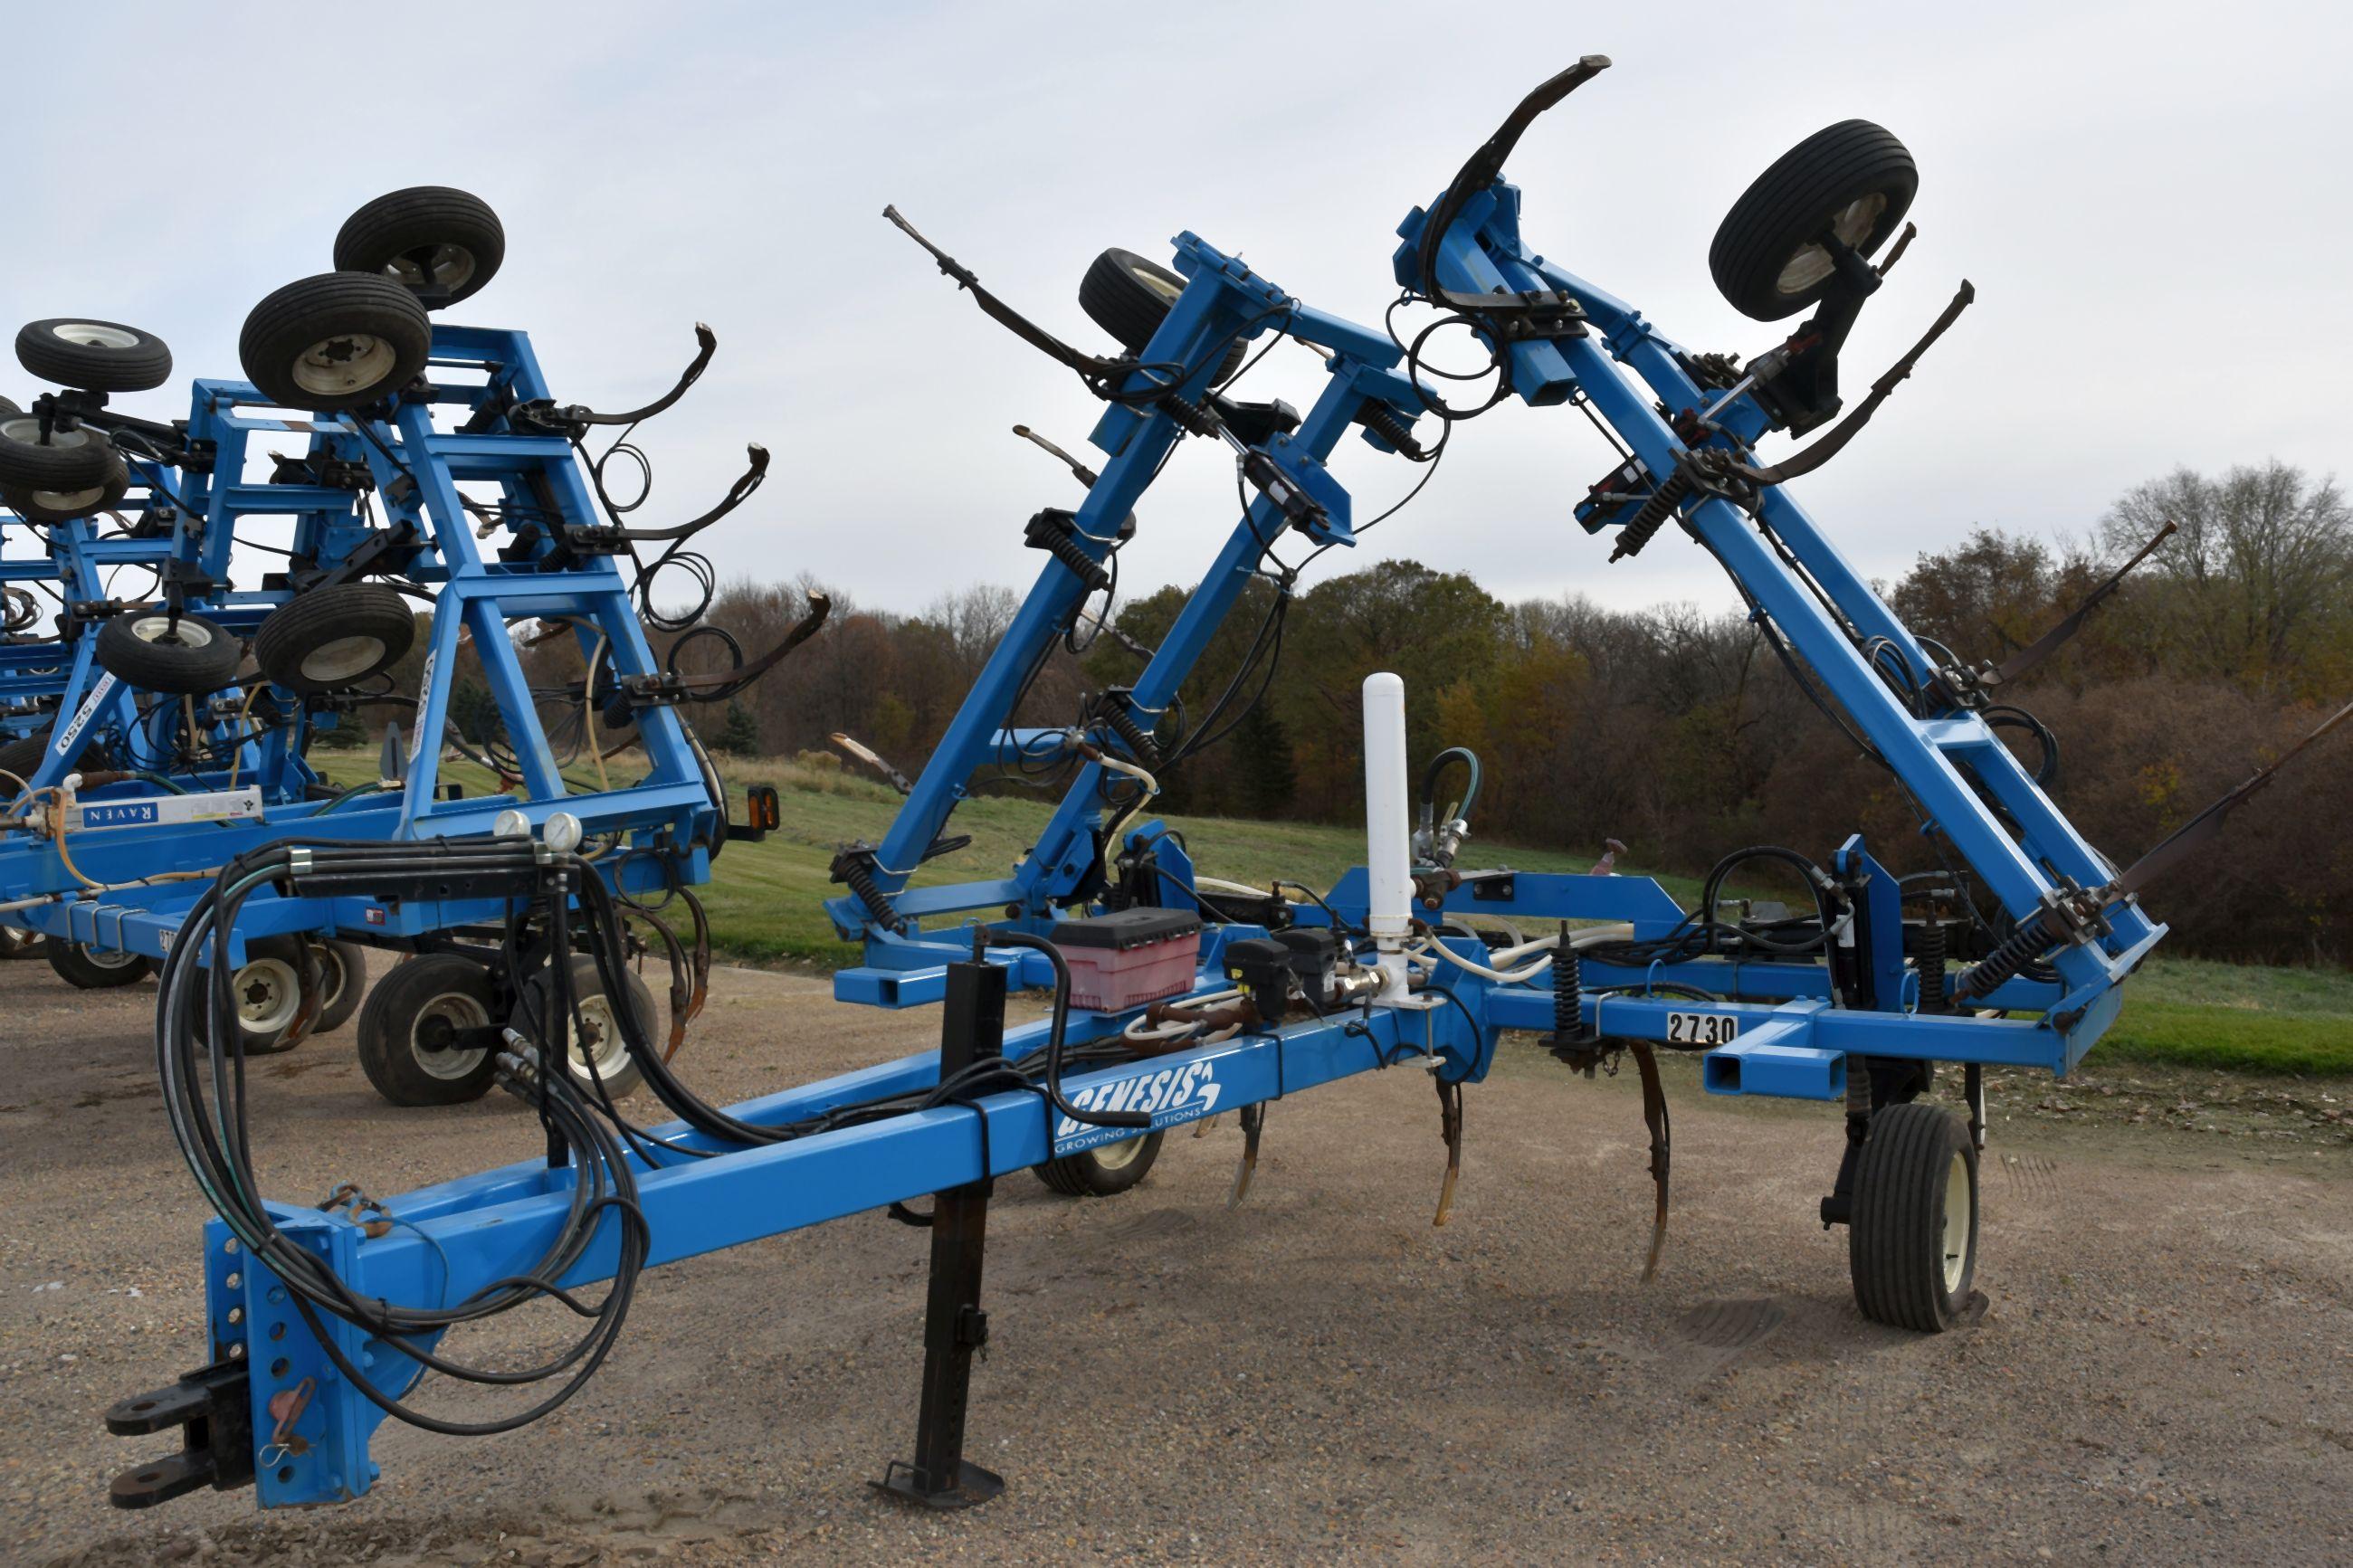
x: 200, y: 1063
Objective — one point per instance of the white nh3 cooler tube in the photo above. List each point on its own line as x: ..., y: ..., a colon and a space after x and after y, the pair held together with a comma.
x: 1388, y: 828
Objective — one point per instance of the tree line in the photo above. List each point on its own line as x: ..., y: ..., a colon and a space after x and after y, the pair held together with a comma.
x: 1679, y: 732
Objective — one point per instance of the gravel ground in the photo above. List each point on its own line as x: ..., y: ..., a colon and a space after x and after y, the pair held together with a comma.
x: 2165, y: 1373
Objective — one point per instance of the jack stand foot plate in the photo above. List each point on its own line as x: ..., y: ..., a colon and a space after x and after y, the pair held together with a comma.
x: 974, y: 1486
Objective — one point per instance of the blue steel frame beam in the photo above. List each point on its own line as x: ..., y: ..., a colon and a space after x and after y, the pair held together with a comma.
x: 460, y: 1235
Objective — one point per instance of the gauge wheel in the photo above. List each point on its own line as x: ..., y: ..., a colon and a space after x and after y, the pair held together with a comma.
x: 1912, y: 1239
x: 1103, y: 1170
x: 442, y: 245
x: 91, y: 969
x: 1853, y: 180
x: 341, y: 971
x: 406, y: 1026
x: 336, y: 340
x: 152, y: 651
x: 599, y: 1032
x: 63, y: 506
x: 1129, y: 297
x: 330, y: 639
x: 65, y: 461
x: 93, y: 357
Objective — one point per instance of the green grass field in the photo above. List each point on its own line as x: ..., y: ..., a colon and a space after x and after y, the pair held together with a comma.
x: 765, y: 900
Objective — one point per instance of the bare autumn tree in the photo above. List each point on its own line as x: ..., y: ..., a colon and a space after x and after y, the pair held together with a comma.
x: 2263, y: 555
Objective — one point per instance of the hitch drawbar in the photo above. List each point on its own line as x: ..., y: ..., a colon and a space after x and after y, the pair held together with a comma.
x: 213, y: 1406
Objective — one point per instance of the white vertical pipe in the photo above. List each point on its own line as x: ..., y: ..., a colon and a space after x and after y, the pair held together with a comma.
x: 1389, y: 829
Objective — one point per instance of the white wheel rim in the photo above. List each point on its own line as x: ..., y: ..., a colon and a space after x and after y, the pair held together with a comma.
x: 269, y: 994
x: 346, y: 659
x: 336, y: 365
x: 459, y: 1011
x: 1118, y: 1156
x: 602, y: 1036
x: 110, y: 959
x: 1852, y: 226
x: 331, y: 975
x: 1156, y: 283
x: 450, y: 267
x: 25, y: 429
x: 1957, y: 1221
x: 95, y: 335
x: 68, y: 500
x: 159, y: 629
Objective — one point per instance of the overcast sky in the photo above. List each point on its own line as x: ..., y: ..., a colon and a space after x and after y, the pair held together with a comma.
x: 2152, y: 201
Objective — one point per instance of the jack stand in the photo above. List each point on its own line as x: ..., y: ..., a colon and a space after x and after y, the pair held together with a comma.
x: 954, y: 1324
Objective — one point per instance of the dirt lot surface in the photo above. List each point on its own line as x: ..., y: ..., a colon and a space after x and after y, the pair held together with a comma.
x: 2165, y: 1373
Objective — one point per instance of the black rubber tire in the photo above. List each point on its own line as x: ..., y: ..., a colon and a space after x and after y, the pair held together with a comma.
x: 443, y: 245
x: 202, y: 655
x: 22, y: 755
x: 336, y: 340
x: 445, y: 985
x: 1088, y: 1174
x: 77, y: 459
x: 621, y: 1081
x: 330, y: 639
x: 1128, y: 296
x: 100, y: 356
x: 1788, y: 207
x: 77, y: 967
x: 64, y: 506
x: 1897, y: 1249
x: 16, y: 942
x: 342, y: 968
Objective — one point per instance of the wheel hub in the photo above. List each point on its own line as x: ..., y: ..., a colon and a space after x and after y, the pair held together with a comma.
x: 598, y: 1036
x: 431, y: 1038
x: 337, y: 365
x: 1852, y: 227
x: 160, y: 630
x: 446, y: 267
x: 269, y: 994
x: 95, y: 335
x: 346, y: 659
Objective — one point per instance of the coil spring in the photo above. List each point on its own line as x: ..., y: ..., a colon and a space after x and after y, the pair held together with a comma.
x: 1567, y: 991
x: 1115, y: 714
x: 858, y: 873
x: 1193, y: 416
x: 1928, y: 956
x: 1067, y: 551
x: 1653, y: 517
x: 2015, y: 952
x: 1390, y: 427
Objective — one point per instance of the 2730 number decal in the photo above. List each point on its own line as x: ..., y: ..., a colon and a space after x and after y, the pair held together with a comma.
x: 1702, y: 1028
